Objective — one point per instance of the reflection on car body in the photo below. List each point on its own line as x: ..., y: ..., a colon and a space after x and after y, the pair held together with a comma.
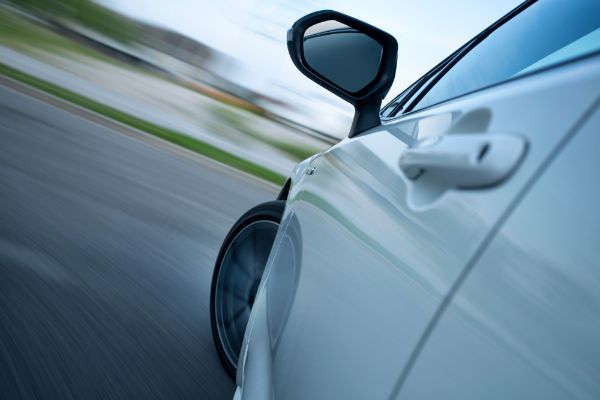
x: 445, y: 248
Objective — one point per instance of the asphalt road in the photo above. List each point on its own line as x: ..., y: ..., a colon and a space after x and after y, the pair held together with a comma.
x: 106, y: 250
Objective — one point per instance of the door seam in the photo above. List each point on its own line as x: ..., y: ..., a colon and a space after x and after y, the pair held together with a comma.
x: 554, y: 153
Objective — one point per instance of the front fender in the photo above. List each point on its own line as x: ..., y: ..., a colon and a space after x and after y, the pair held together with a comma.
x: 254, y: 365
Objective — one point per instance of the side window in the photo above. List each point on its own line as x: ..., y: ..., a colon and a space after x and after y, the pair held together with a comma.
x: 546, y: 33
x: 404, y: 99
x: 392, y: 108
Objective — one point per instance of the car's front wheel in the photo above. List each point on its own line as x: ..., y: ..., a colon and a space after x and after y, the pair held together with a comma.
x: 237, y: 274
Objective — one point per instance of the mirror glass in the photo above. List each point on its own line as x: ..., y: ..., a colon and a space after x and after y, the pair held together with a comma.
x: 344, y: 56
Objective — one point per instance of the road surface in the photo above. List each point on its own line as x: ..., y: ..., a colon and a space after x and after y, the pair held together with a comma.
x: 106, y: 250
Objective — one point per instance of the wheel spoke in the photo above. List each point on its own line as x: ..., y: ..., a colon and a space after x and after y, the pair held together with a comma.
x: 241, y: 262
x: 243, y: 265
x: 262, y: 241
x: 230, y: 290
x: 256, y: 252
x: 235, y: 316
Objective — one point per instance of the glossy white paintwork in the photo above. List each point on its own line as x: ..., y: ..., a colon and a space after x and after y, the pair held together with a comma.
x: 526, y: 323
x: 365, y: 256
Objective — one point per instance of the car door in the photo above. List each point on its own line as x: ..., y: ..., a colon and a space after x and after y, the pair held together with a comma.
x: 369, y: 251
x: 526, y: 321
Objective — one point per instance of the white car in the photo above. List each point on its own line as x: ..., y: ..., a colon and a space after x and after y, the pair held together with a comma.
x: 447, y: 247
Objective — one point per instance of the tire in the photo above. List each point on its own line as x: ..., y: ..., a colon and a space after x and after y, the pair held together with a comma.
x: 236, y: 276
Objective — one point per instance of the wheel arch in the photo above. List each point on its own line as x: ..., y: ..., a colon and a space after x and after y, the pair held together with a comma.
x: 285, y: 190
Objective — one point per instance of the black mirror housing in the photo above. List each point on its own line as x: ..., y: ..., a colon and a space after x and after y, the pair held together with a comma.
x: 380, y: 69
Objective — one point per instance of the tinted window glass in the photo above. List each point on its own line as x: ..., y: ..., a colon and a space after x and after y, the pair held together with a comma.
x: 546, y: 33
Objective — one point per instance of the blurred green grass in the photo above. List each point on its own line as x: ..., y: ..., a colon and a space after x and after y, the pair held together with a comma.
x: 21, y: 34
x: 236, y: 121
x: 88, y: 13
x: 169, y: 135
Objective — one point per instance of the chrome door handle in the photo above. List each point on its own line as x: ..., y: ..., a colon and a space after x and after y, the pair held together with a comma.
x: 464, y: 160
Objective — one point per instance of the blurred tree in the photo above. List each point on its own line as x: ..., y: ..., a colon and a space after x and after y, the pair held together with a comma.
x: 85, y: 12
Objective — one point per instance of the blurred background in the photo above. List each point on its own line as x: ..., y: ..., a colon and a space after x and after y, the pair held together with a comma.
x: 108, y: 235
x: 219, y: 72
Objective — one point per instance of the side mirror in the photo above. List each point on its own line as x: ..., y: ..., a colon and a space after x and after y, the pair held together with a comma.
x: 348, y: 57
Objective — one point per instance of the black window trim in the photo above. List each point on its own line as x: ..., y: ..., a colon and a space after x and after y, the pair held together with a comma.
x: 443, y: 67
x: 416, y: 86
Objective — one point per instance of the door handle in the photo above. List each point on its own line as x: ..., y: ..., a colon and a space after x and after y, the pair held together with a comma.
x: 465, y: 161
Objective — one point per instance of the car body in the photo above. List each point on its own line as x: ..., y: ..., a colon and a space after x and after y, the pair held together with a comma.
x: 448, y: 282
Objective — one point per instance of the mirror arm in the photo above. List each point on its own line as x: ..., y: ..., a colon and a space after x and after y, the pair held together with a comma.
x: 366, y: 116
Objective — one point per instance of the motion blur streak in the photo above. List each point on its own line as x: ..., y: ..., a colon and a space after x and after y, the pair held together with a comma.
x: 106, y: 252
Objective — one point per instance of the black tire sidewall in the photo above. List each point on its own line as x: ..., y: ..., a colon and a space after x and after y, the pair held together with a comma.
x: 269, y: 211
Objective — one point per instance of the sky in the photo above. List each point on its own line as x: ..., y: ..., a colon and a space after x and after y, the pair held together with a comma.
x: 254, y: 32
